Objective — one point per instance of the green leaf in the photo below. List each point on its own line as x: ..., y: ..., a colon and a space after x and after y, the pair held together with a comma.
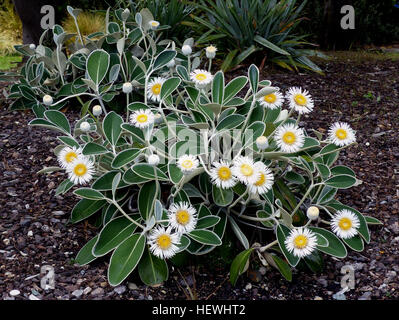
x: 169, y: 86
x: 282, y: 233
x: 184, y: 243
x: 97, y: 65
x: 355, y: 243
x: 218, y: 88
x: 152, y: 270
x: 89, y: 193
x: 92, y: 148
x: 222, y: 197
x: 341, y: 182
x: 270, y: 45
x: 335, y: 247
x: 339, y: 170
x: 146, y: 199
x: 294, y: 177
x: 239, y: 234
x: 233, y: 87
x: 205, y: 237
x: 125, y: 157
x: 135, y: 132
x: 164, y: 58
x: 207, y: 222
x: 230, y: 122
x: 104, y: 183
x: 85, y: 208
x: 372, y: 220
x: 238, y: 265
x: 58, y: 119
x: 112, y: 127
x: 283, y: 267
x: 149, y: 172
x: 175, y: 173
x: 84, y: 255
x: 69, y: 141
x: 113, y: 234
x: 253, y: 76
x: 327, y: 194
x: 125, y: 258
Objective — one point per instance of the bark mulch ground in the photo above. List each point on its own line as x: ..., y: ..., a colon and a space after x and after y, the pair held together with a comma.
x: 33, y: 220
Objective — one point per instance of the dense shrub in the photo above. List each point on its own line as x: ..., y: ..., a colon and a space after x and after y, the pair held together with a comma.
x: 190, y: 160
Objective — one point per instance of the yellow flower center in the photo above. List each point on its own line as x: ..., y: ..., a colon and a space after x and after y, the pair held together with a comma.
x: 289, y: 137
x: 270, y: 98
x: 156, y: 89
x: 200, y: 76
x: 164, y: 241
x: 345, y: 224
x: 80, y: 169
x: 300, y: 100
x: 182, y: 217
x: 70, y: 156
x: 187, y: 164
x: 300, y: 241
x: 246, y: 170
x: 224, y: 173
x: 341, y: 134
x: 142, y: 118
x: 154, y: 23
x: 261, y: 180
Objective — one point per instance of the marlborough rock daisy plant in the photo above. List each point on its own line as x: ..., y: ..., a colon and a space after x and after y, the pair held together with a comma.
x: 190, y: 161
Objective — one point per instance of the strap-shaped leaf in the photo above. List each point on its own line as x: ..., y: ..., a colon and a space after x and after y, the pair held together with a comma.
x: 125, y: 157
x: 169, y: 86
x: 239, y: 264
x: 152, y: 270
x: 58, y: 119
x: 125, y: 258
x: 205, y: 237
x: 218, y: 88
x: 146, y: 199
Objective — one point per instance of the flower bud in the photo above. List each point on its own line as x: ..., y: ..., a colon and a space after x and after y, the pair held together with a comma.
x: 186, y: 49
x: 32, y: 46
x: 210, y: 52
x: 97, y: 110
x: 171, y: 63
x: 158, y: 118
x: 262, y: 143
x: 312, y: 213
x: 153, y: 160
x: 153, y: 24
x: 47, y: 100
x: 127, y: 87
x: 85, y: 126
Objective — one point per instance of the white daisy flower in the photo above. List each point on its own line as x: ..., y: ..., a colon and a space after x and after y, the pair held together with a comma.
x: 341, y: 134
x: 301, y: 242
x: 201, y: 78
x: 182, y: 217
x: 313, y: 213
x: 154, y: 89
x: 265, y: 181
x: 272, y: 100
x: 345, y: 224
x: 67, y: 155
x: 153, y: 24
x: 222, y: 175
x: 210, y: 52
x: 187, y: 163
x: 80, y: 170
x: 163, y: 244
x: 244, y: 169
x: 289, y: 138
x: 300, y: 100
x: 142, y: 118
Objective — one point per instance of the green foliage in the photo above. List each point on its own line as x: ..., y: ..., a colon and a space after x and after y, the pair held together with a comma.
x: 151, y: 177
x: 10, y: 29
x: 254, y: 28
